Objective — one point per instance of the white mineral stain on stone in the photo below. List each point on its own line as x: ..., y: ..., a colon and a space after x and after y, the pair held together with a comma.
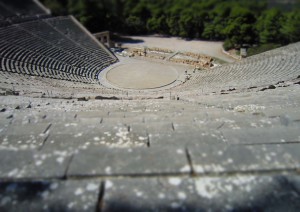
x: 205, y: 188
x: 268, y: 158
x: 108, y: 184
x: 78, y: 191
x: 96, y: 139
x: 70, y: 124
x: 142, y: 138
x: 230, y: 160
x: 199, y: 168
x: 24, y: 146
x: 91, y: 187
x: 53, y: 186
x: 217, y: 168
x: 107, y: 133
x: 78, y: 135
x: 175, y: 181
x: 60, y: 160
x: 186, y: 168
x: 161, y: 196
x: 43, y: 157
x: 181, y: 195
x: 71, y: 205
x: 175, y: 205
x: 228, y: 187
x: 249, y: 108
x: 265, y: 121
x: 45, y: 194
x: 13, y: 172
x: 179, y: 151
x: 253, y: 125
x: 108, y: 170
x: 38, y: 163
x: 138, y: 193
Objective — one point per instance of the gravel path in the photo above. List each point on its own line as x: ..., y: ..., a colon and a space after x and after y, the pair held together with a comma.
x: 213, y: 49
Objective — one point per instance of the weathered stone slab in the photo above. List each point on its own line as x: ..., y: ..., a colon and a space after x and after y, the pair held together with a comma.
x: 73, y: 127
x: 153, y: 127
x: 13, y: 161
x: 5, y: 119
x: 33, y: 164
x: 48, y: 164
x: 24, y: 136
x: 122, y: 120
x: 92, y: 114
x: 250, y: 192
x: 262, y: 135
x: 27, y: 129
x: 240, y: 158
x: 120, y: 138
x: 137, y: 161
x: 49, y: 195
x: 149, y: 194
x: 182, y: 139
x: 235, y: 193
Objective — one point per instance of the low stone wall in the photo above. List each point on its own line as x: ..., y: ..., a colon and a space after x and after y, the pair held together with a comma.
x: 196, y: 63
x: 160, y: 50
x: 193, y: 59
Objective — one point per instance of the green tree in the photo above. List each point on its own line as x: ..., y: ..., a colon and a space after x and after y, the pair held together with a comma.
x: 239, y: 29
x: 57, y: 7
x: 235, y: 21
x: 135, y: 25
x: 172, y: 23
x: 268, y: 26
x: 291, y: 26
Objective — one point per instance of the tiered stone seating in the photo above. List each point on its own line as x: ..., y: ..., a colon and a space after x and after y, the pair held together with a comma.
x: 69, y: 27
x: 228, y: 150
x: 64, y: 148
x: 36, y: 48
x: 261, y: 70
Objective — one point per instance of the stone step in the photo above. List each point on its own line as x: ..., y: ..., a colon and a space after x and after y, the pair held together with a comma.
x: 100, y: 161
x: 217, y: 193
x: 46, y: 194
x: 225, y: 158
x: 255, y: 136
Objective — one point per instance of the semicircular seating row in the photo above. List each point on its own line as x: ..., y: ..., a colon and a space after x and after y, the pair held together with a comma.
x: 260, y: 70
x: 53, y: 47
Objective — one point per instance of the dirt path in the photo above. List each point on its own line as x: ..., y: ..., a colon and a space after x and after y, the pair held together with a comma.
x: 213, y: 49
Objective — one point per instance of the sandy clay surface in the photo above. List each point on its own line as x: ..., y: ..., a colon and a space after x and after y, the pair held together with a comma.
x: 213, y: 49
x: 143, y: 75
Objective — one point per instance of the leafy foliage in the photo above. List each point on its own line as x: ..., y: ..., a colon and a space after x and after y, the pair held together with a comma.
x: 237, y: 22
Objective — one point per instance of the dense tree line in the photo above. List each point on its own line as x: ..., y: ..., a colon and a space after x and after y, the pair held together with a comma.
x: 236, y: 22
